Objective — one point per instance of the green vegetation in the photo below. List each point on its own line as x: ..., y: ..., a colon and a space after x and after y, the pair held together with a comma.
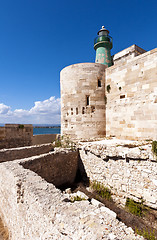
x: 146, y: 234
x: 154, y: 148
x: 108, y: 88
x: 77, y: 198
x: 135, y: 208
x: 64, y: 142
x: 57, y: 143
x: 101, y: 190
x: 21, y: 126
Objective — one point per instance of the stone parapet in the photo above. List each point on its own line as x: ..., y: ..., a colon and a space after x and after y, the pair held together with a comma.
x: 23, y: 152
x: 16, y: 135
x: 127, y: 54
x: 44, y: 138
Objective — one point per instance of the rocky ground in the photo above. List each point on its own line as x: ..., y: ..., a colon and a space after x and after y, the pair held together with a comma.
x: 113, y: 148
x: 89, y: 221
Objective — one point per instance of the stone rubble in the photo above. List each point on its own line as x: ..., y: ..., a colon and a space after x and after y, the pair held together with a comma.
x: 38, y: 210
x: 83, y: 220
x: 128, y: 168
x: 116, y: 148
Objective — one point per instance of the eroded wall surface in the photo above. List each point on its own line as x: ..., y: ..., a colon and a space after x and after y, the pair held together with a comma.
x: 19, y: 135
x: 57, y: 168
x: 43, y: 138
x: 34, y: 209
x: 135, y: 178
x: 28, y: 203
x: 131, y: 110
x: 16, y: 135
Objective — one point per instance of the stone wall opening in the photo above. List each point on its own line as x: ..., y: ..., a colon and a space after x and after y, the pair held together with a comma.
x: 87, y: 100
x: 99, y: 83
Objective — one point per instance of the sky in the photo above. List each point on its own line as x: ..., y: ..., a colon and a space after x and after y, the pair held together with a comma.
x: 38, y: 38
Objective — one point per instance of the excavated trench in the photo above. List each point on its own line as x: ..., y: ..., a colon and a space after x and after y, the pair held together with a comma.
x: 148, y: 222
x: 141, y: 223
x: 81, y: 182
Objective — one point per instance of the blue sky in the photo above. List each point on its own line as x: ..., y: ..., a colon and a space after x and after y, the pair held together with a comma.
x: 40, y: 37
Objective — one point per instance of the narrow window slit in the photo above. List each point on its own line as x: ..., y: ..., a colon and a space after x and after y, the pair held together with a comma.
x: 122, y: 96
x: 99, y: 83
x: 87, y: 100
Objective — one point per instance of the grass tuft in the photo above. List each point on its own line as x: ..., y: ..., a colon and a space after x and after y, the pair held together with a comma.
x: 135, y: 208
x: 147, y: 234
x: 154, y: 148
x: 64, y: 142
x: 101, y: 190
x: 77, y: 198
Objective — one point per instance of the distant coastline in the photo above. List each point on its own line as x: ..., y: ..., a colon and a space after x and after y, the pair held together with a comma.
x: 43, y: 128
x: 46, y: 126
x: 46, y: 129
x: 37, y: 125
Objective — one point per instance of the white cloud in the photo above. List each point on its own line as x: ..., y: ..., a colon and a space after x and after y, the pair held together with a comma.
x: 4, y: 109
x: 50, y: 105
x: 43, y: 112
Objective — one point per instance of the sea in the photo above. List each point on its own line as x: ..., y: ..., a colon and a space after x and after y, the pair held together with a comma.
x: 43, y: 129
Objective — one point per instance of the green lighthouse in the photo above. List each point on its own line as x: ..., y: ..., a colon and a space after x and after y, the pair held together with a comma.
x: 103, y: 45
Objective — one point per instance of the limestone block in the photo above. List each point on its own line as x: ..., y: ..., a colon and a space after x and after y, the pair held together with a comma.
x: 96, y: 202
x: 108, y: 211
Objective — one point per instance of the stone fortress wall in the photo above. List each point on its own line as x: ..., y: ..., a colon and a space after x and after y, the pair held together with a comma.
x: 127, y: 54
x: 83, y: 100
x: 131, y: 110
x: 125, y: 106
x: 20, y: 135
x: 16, y: 135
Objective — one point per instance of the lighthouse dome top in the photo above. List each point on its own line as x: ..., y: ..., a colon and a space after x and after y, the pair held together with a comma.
x: 103, y: 31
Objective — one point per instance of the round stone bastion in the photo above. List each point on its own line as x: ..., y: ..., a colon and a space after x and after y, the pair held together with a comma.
x: 83, y: 102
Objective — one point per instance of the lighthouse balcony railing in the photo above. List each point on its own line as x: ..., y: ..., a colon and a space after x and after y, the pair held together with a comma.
x: 103, y: 38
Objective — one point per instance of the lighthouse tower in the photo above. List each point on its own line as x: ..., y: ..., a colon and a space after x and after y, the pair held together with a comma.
x: 103, y: 45
x: 83, y: 105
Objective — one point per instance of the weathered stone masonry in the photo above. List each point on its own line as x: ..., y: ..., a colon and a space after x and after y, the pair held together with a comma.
x: 83, y: 100
x: 131, y: 110
x: 127, y: 172
x: 28, y: 202
x: 34, y: 209
x: 119, y: 101
x: 19, y: 135
x: 23, y: 152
